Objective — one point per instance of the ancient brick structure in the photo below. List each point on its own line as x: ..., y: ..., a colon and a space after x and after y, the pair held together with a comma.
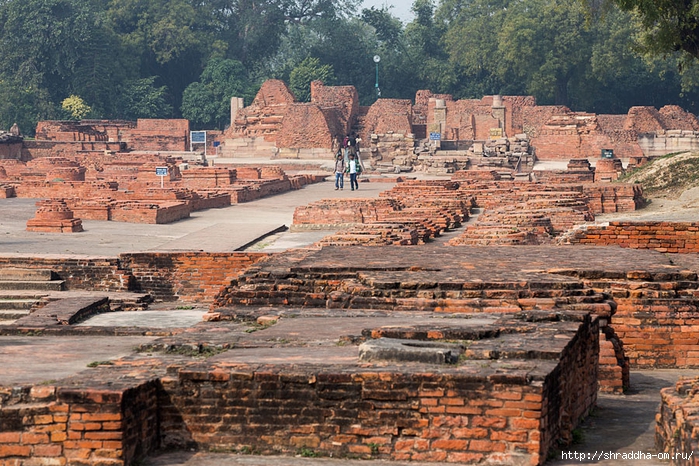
x: 552, y: 132
x: 677, y: 422
x: 670, y: 237
x: 54, y: 216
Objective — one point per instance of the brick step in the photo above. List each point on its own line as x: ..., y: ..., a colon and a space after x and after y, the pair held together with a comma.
x: 20, y: 274
x: 13, y: 314
x: 16, y: 304
x: 53, y: 285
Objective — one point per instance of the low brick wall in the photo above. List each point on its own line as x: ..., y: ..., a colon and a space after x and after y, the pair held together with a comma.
x: 187, y: 276
x: 677, y: 422
x: 51, y: 425
x: 458, y: 414
x: 679, y: 237
x: 88, y: 273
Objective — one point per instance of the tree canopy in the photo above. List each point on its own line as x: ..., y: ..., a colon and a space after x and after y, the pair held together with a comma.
x: 187, y: 58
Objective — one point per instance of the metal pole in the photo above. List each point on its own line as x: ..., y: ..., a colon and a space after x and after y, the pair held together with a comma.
x: 378, y: 92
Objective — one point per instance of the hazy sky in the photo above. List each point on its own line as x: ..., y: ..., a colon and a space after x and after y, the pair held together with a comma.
x: 401, y: 8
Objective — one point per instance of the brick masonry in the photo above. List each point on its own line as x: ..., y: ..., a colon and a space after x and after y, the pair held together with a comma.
x: 677, y: 421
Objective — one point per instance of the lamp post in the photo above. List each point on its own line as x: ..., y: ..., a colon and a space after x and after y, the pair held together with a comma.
x: 377, y: 59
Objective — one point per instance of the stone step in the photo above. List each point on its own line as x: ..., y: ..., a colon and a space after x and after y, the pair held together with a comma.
x: 11, y: 315
x: 16, y: 304
x: 53, y: 285
x: 19, y: 274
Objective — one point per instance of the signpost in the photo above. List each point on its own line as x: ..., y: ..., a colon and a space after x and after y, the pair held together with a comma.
x: 162, y: 173
x: 197, y: 137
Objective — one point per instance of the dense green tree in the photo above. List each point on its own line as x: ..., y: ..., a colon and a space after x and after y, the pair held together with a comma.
x: 140, y: 98
x: 307, y: 71
x: 668, y: 25
x: 52, y: 47
x: 207, y: 102
x: 169, y: 39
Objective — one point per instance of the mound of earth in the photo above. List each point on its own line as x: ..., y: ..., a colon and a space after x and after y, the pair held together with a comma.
x: 671, y: 177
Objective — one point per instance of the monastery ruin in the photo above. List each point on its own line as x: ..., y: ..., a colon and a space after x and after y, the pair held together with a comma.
x: 469, y: 315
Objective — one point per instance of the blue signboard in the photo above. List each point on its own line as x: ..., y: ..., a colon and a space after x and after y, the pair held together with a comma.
x: 198, y: 137
x: 160, y: 171
x: 435, y: 136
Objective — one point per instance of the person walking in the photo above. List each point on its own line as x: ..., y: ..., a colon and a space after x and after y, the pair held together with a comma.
x: 339, y: 171
x: 354, y: 168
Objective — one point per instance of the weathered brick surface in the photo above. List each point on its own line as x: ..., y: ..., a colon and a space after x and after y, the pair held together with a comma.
x: 475, y: 412
x: 75, y: 425
x: 676, y: 422
x: 679, y: 237
x: 192, y: 276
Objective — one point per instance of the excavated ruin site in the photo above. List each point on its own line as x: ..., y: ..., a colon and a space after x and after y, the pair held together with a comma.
x: 468, y: 304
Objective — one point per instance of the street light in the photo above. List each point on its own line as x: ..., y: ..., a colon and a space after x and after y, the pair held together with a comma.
x: 377, y: 59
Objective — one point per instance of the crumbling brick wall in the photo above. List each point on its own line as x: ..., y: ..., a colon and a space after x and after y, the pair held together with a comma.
x: 306, y: 126
x: 677, y: 422
x: 680, y: 237
x: 388, y: 115
x: 51, y: 424
x: 188, y: 276
x: 380, y: 412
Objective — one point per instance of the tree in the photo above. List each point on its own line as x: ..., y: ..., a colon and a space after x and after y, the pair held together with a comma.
x: 51, y: 44
x: 170, y: 39
x: 668, y: 25
x: 76, y: 107
x: 207, y: 102
x: 140, y: 98
x: 307, y: 71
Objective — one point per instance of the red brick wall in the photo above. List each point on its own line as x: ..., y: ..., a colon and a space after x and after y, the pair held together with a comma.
x: 89, y: 273
x: 67, y: 425
x: 187, y: 276
x: 446, y: 415
x: 676, y: 423
x: 388, y: 115
x: 304, y: 126
x: 680, y: 237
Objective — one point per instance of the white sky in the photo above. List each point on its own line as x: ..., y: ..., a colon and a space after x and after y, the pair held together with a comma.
x: 401, y: 8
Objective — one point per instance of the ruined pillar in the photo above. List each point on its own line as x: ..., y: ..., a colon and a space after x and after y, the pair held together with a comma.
x: 499, y: 113
x: 236, y: 105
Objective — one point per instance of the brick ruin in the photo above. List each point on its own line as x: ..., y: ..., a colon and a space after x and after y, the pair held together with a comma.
x: 104, y: 170
x: 463, y: 350
x: 472, y: 132
x: 468, y: 350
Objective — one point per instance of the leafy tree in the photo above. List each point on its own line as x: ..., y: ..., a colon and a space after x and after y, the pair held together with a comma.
x: 25, y: 105
x: 169, y: 39
x: 668, y: 25
x: 307, y: 71
x: 48, y: 44
x: 207, y: 102
x: 76, y: 107
x: 140, y: 98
